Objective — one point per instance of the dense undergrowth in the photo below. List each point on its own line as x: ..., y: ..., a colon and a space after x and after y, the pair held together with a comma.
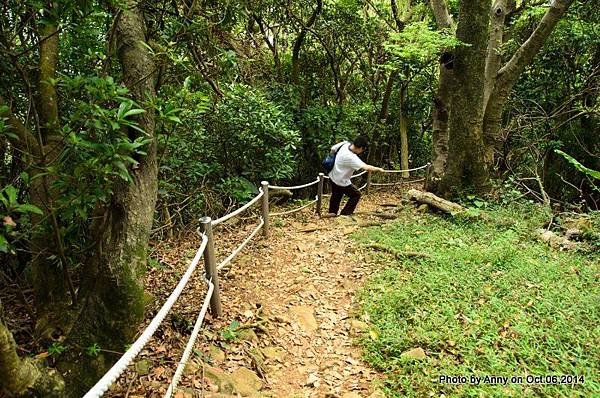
x: 490, y: 300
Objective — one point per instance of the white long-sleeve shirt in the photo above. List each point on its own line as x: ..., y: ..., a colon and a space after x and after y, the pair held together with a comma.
x: 346, y: 163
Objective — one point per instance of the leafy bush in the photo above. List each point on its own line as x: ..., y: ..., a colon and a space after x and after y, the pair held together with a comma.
x: 251, y: 137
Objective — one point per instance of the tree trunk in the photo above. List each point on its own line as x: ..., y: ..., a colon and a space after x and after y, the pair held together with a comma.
x: 492, y: 63
x: 25, y: 376
x: 441, y: 104
x: 403, y: 130
x: 300, y: 40
x: 113, y: 278
x: 50, y: 273
x: 385, y: 103
x: 465, y: 165
x: 509, y: 74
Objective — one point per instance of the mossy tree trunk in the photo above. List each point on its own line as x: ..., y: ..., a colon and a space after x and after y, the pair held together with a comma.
x: 465, y: 166
x: 441, y: 103
x: 114, y: 305
x: 25, y: 376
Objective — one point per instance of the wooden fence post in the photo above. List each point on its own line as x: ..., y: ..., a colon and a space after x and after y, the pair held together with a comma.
x: 210, y: 265
x: 320, y: 193
x: 368, y: 182
x: 265, y: 207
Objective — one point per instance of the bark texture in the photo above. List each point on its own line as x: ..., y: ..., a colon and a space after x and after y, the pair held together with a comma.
x: 432, y: 200
x: 441, y: 105
x: 49, y: 268
x: 509, y: 74
x: 465, y: 164
x: 25, y: 376
x: 493, y: 61
x: 114, y: 307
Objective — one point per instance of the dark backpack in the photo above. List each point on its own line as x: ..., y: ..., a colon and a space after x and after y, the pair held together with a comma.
x: 329, y: 161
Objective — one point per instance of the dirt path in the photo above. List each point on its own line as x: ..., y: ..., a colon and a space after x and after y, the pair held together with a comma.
x: 296, y: 292
x: 290, y: 314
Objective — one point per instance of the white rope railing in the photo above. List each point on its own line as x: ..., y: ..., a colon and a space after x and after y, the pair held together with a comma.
x: 295, y: 187
x: 241, y: 246
x: 109, y: 378
x: 384, y: 184
x: 406, y: 170
x: 359, y: 174
x: 283, y: 213
x: 238, y: 211
x: 192, y: 340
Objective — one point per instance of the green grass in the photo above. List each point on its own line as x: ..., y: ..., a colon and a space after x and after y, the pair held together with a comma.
x: 491, y: 300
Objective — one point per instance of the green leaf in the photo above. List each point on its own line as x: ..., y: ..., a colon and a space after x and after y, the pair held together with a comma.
x: 123, y: 172
x: 11, y: 193
x: 27, y: 208
x: 3, y: 244
x: 590, y: 172
x: 134, y: 112
x: 122, y: 109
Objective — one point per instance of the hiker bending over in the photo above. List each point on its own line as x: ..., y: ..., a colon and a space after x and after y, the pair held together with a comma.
x: 346, y: 163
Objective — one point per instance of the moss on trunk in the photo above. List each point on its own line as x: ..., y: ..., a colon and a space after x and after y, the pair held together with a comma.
x: 25, y: 377
x: 465, y: 166
x: 112, y: 282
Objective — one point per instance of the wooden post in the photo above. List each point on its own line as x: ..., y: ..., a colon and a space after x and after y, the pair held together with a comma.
x: 320, y: 193
x: 368, y: 182
x: 265, y: 207
x: 210, y: 265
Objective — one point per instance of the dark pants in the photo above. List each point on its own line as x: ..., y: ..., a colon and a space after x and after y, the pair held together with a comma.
x: 336, y: 197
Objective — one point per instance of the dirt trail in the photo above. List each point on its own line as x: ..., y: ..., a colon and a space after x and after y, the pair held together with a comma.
x: 290, y: 313
x: 296, y: 290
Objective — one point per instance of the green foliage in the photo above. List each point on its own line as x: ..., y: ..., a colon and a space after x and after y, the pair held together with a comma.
x: 585, y: 170
x: 490, y: 300
x: 99, y: 151
x: 93, y: 350
x: 251, y: 136
x: 13, y: 215
x: 419, y: 44
x: 56, y: 349
x: 232, y: 331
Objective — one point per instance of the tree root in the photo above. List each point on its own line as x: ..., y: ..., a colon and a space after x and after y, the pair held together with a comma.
x: 396, y: 253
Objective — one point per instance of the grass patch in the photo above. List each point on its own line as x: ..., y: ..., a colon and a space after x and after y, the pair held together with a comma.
x: 491, y: 300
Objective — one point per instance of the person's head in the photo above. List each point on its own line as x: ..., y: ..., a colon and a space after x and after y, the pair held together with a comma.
x: 360, y: 144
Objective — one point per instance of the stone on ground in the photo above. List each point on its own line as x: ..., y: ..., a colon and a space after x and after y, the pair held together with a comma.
x: 415, y: 353
x: 246, y: 382
x: 305, y: 316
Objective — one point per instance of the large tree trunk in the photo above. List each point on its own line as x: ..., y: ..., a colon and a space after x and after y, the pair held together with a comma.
x: 441, y: 103
x: 465, y: 165
x: 113, y: 279
x: 509, y: 74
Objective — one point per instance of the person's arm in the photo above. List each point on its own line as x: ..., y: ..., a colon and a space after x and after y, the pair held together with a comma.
x: 368, y: 167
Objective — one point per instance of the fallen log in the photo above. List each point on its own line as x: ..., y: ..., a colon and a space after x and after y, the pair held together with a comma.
x: 556, y: 241
x: 435, y: 201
